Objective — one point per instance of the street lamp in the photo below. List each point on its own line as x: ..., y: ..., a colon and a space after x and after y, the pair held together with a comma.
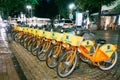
x: 71, y: 6
x: 29, y: 7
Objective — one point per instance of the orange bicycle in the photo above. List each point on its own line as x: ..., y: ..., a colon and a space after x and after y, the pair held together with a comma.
x: 55, y: 50
x: 59, y: 47
x: 36, y: 44
x: 104, y: 55
x: 45, y: 45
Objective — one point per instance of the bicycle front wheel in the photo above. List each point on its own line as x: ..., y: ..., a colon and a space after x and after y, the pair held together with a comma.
x: 52, y: 56
x: 42, y: 51
x: 65, y: 67
x: 16, y: 38
x: 109, y: 64
x: 34, y: 48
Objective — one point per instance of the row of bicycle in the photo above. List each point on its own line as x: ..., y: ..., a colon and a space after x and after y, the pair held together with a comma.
x: 62, y: 50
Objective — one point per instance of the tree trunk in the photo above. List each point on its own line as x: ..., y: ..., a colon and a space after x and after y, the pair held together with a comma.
x: 99, y: 17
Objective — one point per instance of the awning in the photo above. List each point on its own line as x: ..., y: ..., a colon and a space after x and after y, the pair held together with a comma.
x: 107, y: 13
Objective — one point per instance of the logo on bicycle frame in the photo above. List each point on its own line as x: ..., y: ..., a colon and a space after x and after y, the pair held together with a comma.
x: 108, y: 47
x: 53, y: 34
x: 43, y: 32
x: 67, y: 37
x: 88, y: 42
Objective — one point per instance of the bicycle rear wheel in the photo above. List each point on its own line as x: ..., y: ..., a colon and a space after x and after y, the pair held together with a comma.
x: 109, y: 64
x: 65, y: 67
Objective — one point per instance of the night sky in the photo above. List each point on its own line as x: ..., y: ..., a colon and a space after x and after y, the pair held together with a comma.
x: 46, y: 9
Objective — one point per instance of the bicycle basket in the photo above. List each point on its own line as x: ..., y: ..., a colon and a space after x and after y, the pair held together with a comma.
x: 25, y: 29
x: 35, y: 31
x: 57, y: 36
x: 105, y: 52
x: 30, y: 30
x: 40, y: 33
x: 72, y: 39
x: 47, y: 34
x: 19, y: 28
x: 88, y: 44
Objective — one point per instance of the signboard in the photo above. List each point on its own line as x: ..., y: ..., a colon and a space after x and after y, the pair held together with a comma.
x: 119, y: 20
x: 79, y: 18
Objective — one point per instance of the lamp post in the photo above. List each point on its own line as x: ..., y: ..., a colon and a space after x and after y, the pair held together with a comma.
x: 71, y: 6
x: 29, y: 8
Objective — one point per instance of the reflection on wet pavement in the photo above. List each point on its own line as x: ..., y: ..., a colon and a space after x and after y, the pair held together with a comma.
x: 3, y: 42
x: 7, y: 68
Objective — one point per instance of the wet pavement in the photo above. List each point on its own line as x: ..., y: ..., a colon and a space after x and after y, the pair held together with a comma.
x: 111, y: 36
x: 36, y: 70
x: 7, y: 67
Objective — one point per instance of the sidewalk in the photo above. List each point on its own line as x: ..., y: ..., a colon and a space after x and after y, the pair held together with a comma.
x: 7, y: 68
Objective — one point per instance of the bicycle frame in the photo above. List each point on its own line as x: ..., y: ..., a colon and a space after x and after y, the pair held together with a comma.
x: 70, y: 43
x: 57, y: 40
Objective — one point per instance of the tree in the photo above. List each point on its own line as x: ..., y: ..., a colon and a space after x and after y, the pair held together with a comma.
x: 118, y: 5
x: 63, y: 7
x: 11, y: 6
x: 89, y: 4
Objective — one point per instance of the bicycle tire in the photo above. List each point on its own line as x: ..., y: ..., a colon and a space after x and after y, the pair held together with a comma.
x: 65, y: 63
x: 22, y: 39
x: 29, y: 44
x: 42, y: 52
x: 25, y: 43
x: 51, y: 58
x: 34, y: 48
x: 102, y: 67
x: 85, y: 59
x: 16, y: 37
x: 13, y: 35
x: 26, y: 40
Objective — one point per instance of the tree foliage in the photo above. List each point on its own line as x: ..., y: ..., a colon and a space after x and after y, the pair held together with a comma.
x: 14, y: 6
x: 118, y: 5
x: 63, y: 6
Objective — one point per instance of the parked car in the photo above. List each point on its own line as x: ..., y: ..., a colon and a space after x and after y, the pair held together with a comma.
x: 3, y: 24
x: 65, y: 25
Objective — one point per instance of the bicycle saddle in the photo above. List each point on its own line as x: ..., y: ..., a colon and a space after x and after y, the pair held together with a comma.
x: 101, y: 41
